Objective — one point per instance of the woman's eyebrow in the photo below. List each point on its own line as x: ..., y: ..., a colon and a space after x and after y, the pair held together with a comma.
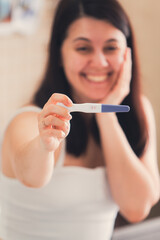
x: 88, y: 40
x: 81, y: 38
x: 111, y: 40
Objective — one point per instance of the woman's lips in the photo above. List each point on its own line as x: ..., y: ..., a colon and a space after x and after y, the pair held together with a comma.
x: 97, y: 78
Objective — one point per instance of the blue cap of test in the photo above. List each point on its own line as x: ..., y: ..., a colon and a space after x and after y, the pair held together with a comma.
x: 115, y: 108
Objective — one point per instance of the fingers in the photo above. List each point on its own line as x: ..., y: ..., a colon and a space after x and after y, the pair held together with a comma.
x: 58, y: 97
x: 51, y: 138
x: 54, y: 121
x: 50, y: 133
x: 126, y: 66
x: 128, y: 62
x: 54, y: 117
x: 56, y: 110
x: 121, y: 87
x: 125, y: 74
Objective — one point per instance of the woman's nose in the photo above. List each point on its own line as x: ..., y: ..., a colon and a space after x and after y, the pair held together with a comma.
x: 99, y: 60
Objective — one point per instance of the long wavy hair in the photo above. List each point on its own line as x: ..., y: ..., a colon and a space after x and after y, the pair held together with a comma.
x: 133, y: 123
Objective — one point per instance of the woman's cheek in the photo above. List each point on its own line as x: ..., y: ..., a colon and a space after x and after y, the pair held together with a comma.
x: 117, y: 61
x: 76, y: 63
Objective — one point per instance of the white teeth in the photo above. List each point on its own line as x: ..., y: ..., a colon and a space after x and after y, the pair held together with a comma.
x: 96, y: 78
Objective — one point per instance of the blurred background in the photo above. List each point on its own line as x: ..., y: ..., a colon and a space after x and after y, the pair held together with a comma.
x: 24, y: 35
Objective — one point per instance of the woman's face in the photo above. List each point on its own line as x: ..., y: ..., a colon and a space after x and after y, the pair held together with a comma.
x: 92, y: 54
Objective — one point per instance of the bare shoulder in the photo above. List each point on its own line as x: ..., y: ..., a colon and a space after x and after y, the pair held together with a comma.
x: 149, y: 112
x: 151, y: 152
x: 146, y: 104
x: 24, y: 122
x: 22, y: 127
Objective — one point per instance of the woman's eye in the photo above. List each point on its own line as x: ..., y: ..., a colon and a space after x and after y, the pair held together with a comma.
x: 83, y: 49
x: 110, y: 48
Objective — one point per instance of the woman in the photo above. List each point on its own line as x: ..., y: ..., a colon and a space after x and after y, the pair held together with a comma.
x: 65, y: 180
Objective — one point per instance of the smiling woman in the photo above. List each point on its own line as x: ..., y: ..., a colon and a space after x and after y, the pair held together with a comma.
x: 97, y: 57
x: 67, y: 180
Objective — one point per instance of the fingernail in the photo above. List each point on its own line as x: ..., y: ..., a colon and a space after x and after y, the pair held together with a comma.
x: 63, y: 134
x: 70, y: 116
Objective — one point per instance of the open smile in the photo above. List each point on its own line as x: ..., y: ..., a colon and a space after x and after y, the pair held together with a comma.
x: 97, y: 78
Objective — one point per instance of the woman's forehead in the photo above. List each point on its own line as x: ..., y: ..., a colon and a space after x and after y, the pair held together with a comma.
x: 92, y: 28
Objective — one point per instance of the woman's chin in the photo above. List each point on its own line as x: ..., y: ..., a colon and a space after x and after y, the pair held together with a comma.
x: 96, y: 91
x: 95, y: 98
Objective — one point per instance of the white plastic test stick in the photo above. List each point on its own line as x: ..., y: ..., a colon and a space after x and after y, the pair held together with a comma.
x: 96, y: 108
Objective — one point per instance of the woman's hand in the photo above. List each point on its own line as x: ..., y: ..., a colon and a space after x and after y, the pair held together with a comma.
x: 54, y: 121
x: 121, y: 87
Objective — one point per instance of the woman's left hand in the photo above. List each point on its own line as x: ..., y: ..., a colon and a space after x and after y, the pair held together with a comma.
x: 122, y: 86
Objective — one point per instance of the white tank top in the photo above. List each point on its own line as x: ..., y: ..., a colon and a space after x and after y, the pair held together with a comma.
x: 75, y: 205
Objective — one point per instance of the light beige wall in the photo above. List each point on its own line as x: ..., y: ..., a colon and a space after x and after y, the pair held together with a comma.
x: 23, y: 59
x: 145, y: 17
x: 22, y: 63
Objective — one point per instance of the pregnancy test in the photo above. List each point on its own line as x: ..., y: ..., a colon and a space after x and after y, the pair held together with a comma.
x: 96, y: 108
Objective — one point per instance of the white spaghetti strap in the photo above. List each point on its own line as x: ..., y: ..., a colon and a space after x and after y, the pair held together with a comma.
x: 60, y: 161
x: 27, y: 109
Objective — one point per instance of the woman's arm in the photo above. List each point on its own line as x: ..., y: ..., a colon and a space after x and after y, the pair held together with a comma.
x: 32, y: 140
x: 134, y: 182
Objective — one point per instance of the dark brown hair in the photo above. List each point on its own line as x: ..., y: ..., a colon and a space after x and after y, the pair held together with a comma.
x: 132, y: 123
